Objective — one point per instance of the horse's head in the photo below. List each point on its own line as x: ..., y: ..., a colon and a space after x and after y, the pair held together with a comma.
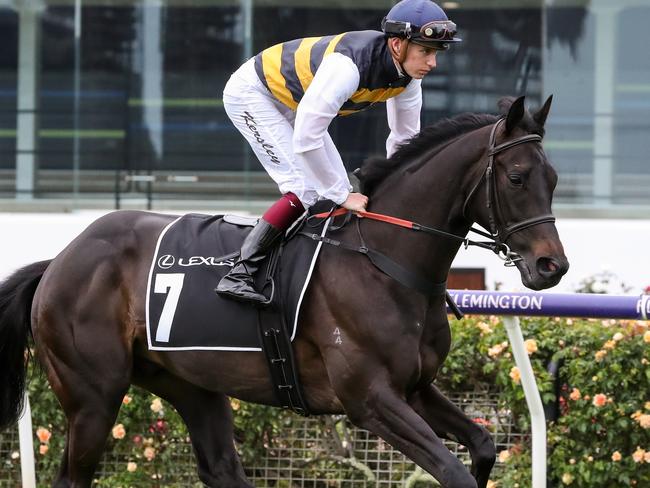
x: 513, y: 197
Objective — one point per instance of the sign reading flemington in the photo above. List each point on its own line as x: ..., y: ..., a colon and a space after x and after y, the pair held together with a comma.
x: 553, y: 304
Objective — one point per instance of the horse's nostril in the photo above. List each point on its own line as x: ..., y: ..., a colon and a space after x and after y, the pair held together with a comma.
x: 547, y: 266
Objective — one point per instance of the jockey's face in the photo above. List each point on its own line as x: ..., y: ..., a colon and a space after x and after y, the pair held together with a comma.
x: 419, y: 60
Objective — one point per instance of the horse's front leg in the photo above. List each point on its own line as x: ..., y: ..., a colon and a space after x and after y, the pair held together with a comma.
x: 445, y: 418
x: 383, y: 411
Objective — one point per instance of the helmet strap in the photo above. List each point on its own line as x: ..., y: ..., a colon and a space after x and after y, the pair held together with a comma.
x: 401, y: 57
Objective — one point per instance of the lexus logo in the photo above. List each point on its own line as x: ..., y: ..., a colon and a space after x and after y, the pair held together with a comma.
x: 166, y: 261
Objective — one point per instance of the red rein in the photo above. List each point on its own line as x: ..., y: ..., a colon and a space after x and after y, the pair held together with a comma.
x: 368, y: 215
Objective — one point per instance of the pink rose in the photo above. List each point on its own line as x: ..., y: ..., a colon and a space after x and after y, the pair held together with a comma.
x: 599, y: 400
x: 119, y: 431
x: 43, y: 435
x: 149, y: 453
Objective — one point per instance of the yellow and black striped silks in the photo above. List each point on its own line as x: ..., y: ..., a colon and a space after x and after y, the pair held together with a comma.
x: 287, y: 69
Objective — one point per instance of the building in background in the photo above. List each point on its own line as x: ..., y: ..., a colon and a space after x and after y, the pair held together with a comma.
x: 92, y: 91
x: 115, y: 101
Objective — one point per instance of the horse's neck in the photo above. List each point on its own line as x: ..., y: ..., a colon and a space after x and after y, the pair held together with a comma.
x: 431, y: 195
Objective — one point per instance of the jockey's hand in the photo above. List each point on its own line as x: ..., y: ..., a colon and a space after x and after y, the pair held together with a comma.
x: 356, y: 202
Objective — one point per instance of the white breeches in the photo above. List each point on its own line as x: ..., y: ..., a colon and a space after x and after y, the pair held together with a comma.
x: 268, y: 125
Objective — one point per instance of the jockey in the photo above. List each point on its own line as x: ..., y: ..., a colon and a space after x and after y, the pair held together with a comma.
x: 283, y: 100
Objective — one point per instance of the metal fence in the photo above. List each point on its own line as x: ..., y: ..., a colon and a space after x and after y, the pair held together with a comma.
x: 317, y: 452
x: 9, y: 459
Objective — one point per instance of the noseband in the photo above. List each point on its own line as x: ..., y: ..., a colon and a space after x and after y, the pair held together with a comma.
x: 492, y: 200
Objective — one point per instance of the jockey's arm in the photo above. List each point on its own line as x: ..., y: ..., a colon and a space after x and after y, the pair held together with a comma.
x: 336, y: 79
x: 403, y: 116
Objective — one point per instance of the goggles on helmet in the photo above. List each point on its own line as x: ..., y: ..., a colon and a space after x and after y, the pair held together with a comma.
x: 436, y: 31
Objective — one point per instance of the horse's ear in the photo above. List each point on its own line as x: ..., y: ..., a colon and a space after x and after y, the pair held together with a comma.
x: 515, y: 114
x: 540, y: 117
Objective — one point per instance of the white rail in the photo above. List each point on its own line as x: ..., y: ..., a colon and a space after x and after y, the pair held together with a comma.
x: 533, y: 400
x: 25, y: 436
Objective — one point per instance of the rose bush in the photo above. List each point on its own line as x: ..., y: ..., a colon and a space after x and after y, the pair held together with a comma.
x: 602, y: 394
x: 600, y: 438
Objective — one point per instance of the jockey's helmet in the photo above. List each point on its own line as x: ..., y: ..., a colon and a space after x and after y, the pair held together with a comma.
x: 421, y: 22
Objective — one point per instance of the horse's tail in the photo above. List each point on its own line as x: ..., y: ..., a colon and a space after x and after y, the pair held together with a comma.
x: 16, y: 295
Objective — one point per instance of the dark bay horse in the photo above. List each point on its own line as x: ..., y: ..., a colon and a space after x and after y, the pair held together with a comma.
x: 86, y: 311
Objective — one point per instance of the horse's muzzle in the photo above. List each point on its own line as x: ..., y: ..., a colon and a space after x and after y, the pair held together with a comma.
x: 543, y: 272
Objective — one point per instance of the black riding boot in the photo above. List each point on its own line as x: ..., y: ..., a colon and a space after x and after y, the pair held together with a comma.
x: 238, y: 284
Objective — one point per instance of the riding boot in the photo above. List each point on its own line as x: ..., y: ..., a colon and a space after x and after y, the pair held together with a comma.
x: 239, y: 284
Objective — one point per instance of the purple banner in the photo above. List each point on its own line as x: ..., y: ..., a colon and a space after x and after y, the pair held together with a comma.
x: 585, y: 305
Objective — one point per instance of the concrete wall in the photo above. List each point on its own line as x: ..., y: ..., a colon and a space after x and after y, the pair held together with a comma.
x: 592, y: 246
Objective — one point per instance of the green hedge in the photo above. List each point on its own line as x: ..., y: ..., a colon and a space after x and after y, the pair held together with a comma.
x: 602, y: 437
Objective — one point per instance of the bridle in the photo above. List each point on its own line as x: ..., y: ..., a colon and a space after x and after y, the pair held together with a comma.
x: 492, y: 199
x: 497, y: 242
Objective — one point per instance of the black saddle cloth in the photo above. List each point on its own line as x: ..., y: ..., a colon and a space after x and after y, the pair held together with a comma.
x: 192, y: 254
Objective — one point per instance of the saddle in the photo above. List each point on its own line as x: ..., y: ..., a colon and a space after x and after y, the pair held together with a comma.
x: 183, y: 313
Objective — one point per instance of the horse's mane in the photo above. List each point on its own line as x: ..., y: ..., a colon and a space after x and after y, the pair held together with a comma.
x: 376, y: 169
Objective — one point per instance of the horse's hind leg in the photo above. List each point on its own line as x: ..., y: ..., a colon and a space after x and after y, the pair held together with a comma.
x: 445, y: 418
x: 208, y: 418
x: 79, y: 332
x: 88, y: 429
x: 90, y: 390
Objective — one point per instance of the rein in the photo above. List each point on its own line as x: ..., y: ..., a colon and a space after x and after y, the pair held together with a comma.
x: 395, y: 270
x: 408, y: 224
x: 497, y: 244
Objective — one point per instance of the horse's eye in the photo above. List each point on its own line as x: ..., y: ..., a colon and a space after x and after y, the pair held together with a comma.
x: 515, y: 179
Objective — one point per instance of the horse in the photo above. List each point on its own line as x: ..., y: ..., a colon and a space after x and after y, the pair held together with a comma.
x: 85, y: 310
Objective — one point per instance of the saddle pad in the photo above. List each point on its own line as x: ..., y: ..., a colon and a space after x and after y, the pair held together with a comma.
x: 183, y: 312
